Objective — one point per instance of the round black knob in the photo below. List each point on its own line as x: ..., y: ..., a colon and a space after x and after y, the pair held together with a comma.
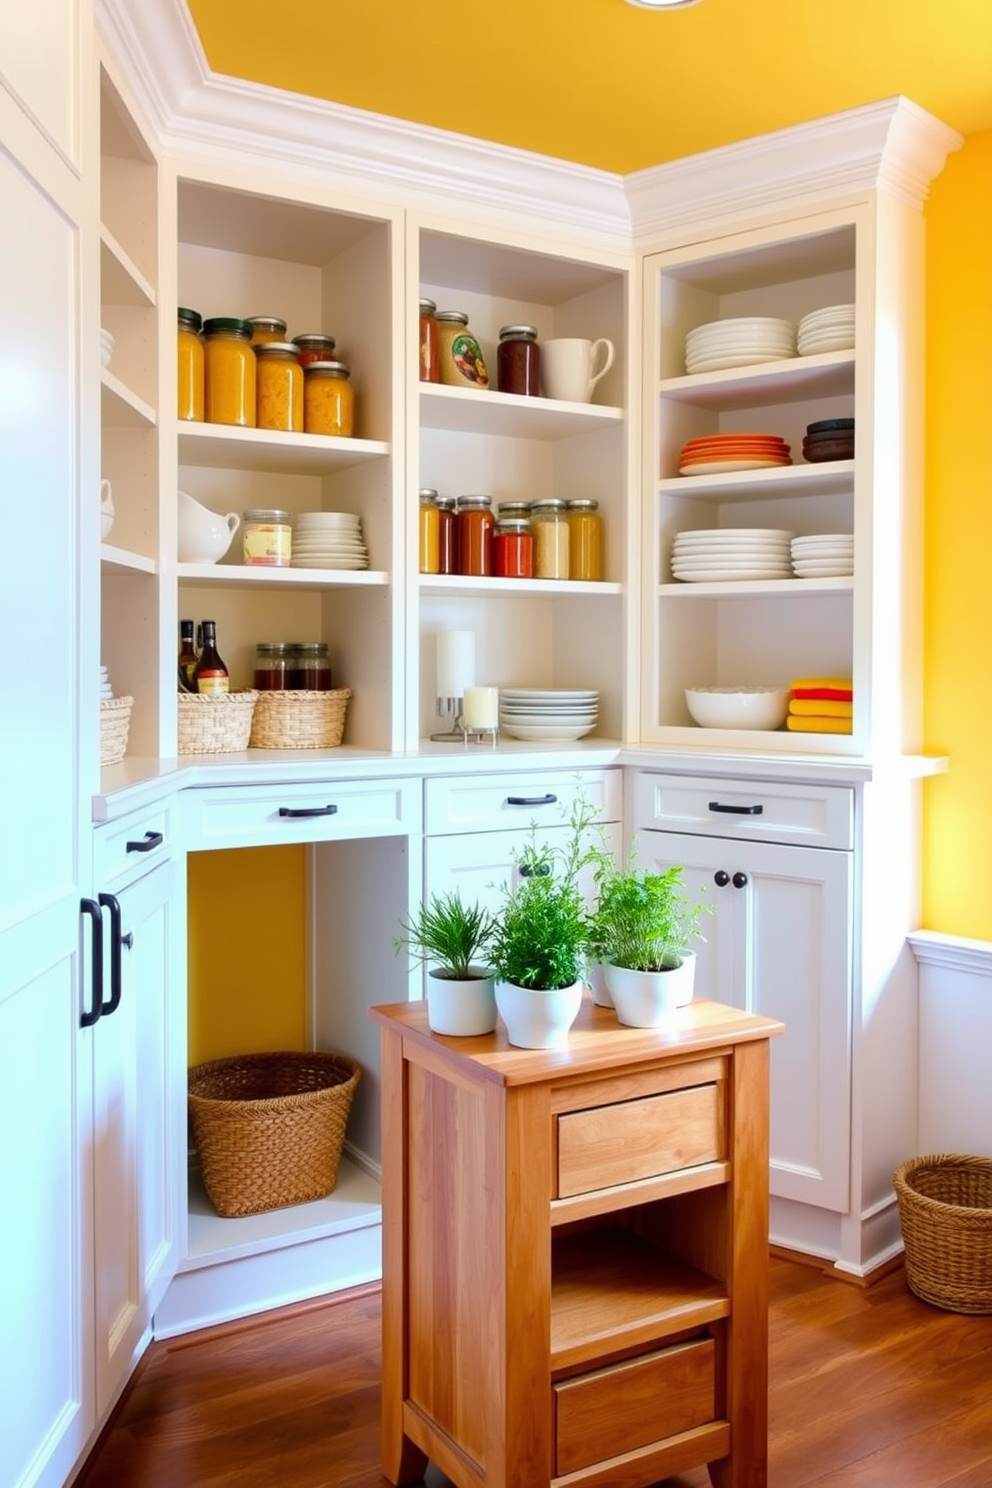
x: 721, y: 879
x: 740, y: 880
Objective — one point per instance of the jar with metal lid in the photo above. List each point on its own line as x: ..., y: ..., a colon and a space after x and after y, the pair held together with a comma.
x: 518, y: 360
x: 228, y: 372
x: 328, y: 399
x: 268, y: 538
x: 550, y: 526
x: 273, y: 666
x: 266, y: 328
x: 474, y: 523
x: 513, y: 549
x: 190, y: 351
x: 311, y: 669
x: 513, y: 511
x: 430, y: 532
x: 314, y: 347
x: 278, y: 387
x: 447, y: 546
x: 585, y: 539
x: 459, y: 355
x: 428, y: 342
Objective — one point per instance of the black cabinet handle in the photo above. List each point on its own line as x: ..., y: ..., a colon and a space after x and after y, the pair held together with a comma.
x: 297, y: 811
x: 548, y: 800
x: 739, y: 880
x: 539, y: 870
x: 91, y: 1015
x: 721, y: 878
x: 735, y: 810
x: 111, y: 902
x: 150, y: 840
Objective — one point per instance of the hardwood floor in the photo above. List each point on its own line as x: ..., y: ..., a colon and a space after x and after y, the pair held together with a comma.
x: 870, y: 1388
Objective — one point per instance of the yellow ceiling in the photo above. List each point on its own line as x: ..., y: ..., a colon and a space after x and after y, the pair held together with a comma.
x: 602, y: 83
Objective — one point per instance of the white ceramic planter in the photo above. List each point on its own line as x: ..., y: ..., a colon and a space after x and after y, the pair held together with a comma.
x: 463, y: 1008
x: 535, y: 1019
x: 645, y: 999
x: 596, y: 982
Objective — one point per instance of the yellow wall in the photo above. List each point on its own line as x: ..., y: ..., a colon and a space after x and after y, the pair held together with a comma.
x: 958, y: 589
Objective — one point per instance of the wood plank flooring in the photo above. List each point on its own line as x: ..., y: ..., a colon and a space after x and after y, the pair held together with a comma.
x: 870, y: 1388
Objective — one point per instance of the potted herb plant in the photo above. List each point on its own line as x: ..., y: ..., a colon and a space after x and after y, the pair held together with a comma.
x: 642, y: 931
x: 450, y: 938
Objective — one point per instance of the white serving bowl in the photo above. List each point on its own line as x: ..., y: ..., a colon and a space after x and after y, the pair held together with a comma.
x: 738, y: 707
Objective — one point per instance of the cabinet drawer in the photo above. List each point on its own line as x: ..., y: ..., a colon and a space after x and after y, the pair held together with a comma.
x: 125, y: 849
x: 636, y: 1139
x: 262, y: 815
x: 631, y: 1405
x: 505, y: 802
x: 810, y: 815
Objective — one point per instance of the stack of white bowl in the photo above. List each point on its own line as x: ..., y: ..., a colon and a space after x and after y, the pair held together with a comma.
x: 829, y: 329
x: 328, y: 540
x: 738, y: 343
x: 547, y: 715
x: 106, y: 691
x: 827, y: 556
x: 724, y: 553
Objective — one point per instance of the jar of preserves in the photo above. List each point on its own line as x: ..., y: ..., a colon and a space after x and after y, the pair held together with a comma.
x: 474, y: 525
x: 513, y: 511
x: 266, y: 328
x: 585, y: 539
x: 328, y: 399
x: 430, y: 533
x: 311, y: 669
x: 313, y: 347
x: 447, y: 548
x: 513, y: 549
x: 268, y: 539
x: 190, y: 364
x: 278, y: 387
x: 459, y: 355
x: 428, y: 342
x: 550, y: 526
x: 518, y: 360
x: 228, y: 372
x: 273, y: 666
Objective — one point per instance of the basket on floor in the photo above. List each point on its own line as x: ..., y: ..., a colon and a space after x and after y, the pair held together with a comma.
x: 269, y: 1128
x: 945, y: 1207
x: 299, y: 719
x: 215, y: 722
x: 115, y: 721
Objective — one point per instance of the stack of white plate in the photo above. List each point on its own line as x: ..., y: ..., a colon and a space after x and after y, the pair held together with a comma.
x: 106, y: 691
x: 738, y: 343
x: 328, y: 540
x: 726, y: 553
x: 829, y: 329
x: 547, y: 715
x: 827, y: 556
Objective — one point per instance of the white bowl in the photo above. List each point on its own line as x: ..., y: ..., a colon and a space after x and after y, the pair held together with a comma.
x: 738, y: 707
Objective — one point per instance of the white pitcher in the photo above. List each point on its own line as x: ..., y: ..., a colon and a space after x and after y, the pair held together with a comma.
x: 107, y: 513
x: 204, y: 535
x: 569, y: 367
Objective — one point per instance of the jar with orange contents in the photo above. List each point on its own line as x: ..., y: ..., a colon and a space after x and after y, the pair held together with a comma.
x: 279, y: 387
x: 474, y: 523
x: 266, y: 328
x: 328, y: 399
x: 585, y: 539
x: 190, y: 351
x: 228, y: 372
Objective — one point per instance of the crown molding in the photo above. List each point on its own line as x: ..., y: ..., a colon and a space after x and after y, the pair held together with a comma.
x: 198, y: 111
x: 892, y: 146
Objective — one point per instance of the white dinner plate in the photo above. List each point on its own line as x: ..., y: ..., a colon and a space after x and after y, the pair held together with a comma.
x: 718, y: 575
x: 737, y: 532
x: 550, y: 734
x: 737, y: 359
x: 533, y: 694
x: 832, y: 343
x: 826, y: 571
x: 327, y: 563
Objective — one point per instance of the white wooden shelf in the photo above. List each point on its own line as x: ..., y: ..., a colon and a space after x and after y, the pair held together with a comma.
x: 121, y: 281
x: 481, y: 411
x: 222, y: 446
x: 749, y: 485
x: 122, y: 560
x: 792, y: 380
x: 747, y: 588
x: 201, y: 574
x: 120, y: 406
x: 489, y: 587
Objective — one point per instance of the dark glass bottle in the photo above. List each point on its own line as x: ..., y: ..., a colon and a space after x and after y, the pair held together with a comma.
x: 211, y: 674
x: 187, y: 657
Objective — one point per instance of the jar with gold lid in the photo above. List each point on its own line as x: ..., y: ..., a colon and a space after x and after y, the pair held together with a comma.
x: 228, y: 372
x: 460, y: 359
x: 328, y: 399
x: 278, y: 387
x: 190, y: 350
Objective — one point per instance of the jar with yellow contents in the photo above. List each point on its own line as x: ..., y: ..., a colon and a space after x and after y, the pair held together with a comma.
x: 328, y: 399
x: 229, y: 372
x: 266, y: 328
x: 190, y: 350
x: 278, y: 387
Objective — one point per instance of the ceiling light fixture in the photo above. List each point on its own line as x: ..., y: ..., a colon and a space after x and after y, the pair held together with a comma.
x: 662, y: 4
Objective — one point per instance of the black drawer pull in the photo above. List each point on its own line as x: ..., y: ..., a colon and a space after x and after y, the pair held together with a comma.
x: 735, y: 810
x: 548, y: 800
x: 90, y: 1016
x: 298, y: 811
x: 109, y: 901
x: 150, y: 840
x: 535, y: 870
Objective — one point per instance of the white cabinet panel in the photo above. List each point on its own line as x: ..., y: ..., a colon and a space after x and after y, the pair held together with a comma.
x: 39, y: 64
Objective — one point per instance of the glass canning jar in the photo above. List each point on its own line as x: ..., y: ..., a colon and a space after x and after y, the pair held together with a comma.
x: 513, y: 549
x: 273, y: 663
x: 229, y: 372
x: 328, y: 399
x: 266, y: 328
x: 430, y: 532
x: 447, y: 545
x: 190, y: 350
x: 518, y: 360
x: 550, y: 527
x: 311, y: 669
x: 278, y: 387
x: 585, y: 539
x: 428, y: 342
x: 268, y: 538
x: 460, y: 359
x: 314, y: 347
x: 474, y: 524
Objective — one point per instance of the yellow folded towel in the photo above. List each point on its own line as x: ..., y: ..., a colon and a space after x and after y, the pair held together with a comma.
x: 818, y: 725
x: 820, y: 708
x: 838, y: 684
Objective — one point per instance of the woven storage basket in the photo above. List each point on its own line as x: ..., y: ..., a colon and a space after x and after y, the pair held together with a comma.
x: 269, y: 1127
x: 298, y: 719
x: 115, y: 720
x: 945, y: 1207
x: 215, y: 722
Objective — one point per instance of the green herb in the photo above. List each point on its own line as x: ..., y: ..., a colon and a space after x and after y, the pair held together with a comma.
x: 448, y: 935
x: 643, y: 919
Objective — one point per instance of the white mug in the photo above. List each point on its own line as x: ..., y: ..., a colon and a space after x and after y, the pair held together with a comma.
x: 567, y: 367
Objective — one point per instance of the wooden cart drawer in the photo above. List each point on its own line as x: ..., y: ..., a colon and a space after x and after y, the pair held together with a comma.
x: 636, y: 1139
x: 631, y: 1405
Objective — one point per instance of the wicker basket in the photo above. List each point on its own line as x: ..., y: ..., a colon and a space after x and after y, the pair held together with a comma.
x: 215, y: 722
x: 298, y: 719
x: 269, y: 1127
x: 945, y: 1206
x: 115, y: 720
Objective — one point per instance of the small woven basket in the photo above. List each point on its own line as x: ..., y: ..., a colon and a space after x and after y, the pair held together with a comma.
x: 215, y: 722
x: 115, y: 720
x: 299, y: 719
x: 945, y: 1208
x: 269, y: 1128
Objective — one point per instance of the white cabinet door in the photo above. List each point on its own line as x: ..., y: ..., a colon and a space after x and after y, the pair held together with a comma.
x: 779, y: 943
x: 483, y: 865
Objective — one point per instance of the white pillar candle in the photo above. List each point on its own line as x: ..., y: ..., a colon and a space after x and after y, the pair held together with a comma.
x: 480, y: 707
x: 455, y: 662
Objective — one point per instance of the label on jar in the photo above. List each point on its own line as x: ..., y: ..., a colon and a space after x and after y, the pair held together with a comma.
x: 466, y: 353
x: 267, y: 544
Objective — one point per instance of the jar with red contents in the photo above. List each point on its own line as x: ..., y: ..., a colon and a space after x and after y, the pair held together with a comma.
x: 314, y: 347
x: 447, y: 545
x: 429, y: 367
x: 474, y: 523
x: 518, y: 361
x: 513, y: 549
